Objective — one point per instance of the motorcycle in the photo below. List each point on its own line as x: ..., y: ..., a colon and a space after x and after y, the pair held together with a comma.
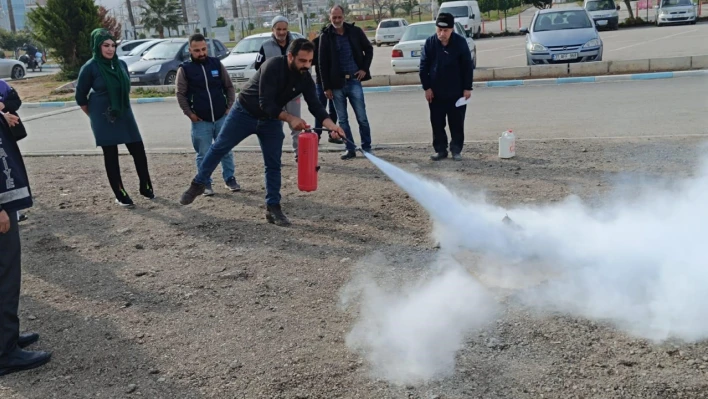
x: 31, y: 62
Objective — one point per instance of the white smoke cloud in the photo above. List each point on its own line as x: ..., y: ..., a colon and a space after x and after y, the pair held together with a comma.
x: 411, y: 334
x: 636, y: 262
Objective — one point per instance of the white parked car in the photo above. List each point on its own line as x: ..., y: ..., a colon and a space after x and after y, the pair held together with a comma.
x: 240, y: 64
x: 390, y: 31
x: 405, y: 56
x: 126, y: 46
x: 137, y: 53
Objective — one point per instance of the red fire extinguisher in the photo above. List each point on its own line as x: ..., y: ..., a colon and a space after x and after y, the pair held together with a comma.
x: 307, y: 146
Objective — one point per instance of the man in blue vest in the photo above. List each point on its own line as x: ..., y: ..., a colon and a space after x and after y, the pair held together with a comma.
x: 205, y: 94
x: 15, y: 195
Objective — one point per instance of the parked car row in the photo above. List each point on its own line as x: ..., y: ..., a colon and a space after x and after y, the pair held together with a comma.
x: 240, y: 63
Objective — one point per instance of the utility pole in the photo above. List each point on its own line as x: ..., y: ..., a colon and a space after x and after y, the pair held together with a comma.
x: 130, y: 17
x: 11, y: 14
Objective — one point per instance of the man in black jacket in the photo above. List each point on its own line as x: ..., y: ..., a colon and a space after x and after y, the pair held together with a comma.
x: 446, y: 75
x: 345, y: 55
x: 15, y: 195
x: 259, y: 110
x: 327, y: 103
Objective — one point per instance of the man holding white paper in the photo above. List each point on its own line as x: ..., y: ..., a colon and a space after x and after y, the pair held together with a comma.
x: 446, y: 75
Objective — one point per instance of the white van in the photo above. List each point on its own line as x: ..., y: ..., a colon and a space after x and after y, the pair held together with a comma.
x: 466, y: 13
x: 603, y: 12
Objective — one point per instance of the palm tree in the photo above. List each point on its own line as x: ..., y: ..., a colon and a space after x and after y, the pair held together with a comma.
x: 161, y: 14
x: 11, y: 14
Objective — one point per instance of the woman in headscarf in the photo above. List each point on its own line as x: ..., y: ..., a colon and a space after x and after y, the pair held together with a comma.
x: 108, y: 108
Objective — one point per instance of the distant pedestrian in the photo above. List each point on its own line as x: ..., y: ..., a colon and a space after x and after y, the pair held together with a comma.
x: 345, y: 56
x: 15, y: 195
x: 277, y: 46
x: 108, y: 108
x: 446, y: 75
x: 205, y: 94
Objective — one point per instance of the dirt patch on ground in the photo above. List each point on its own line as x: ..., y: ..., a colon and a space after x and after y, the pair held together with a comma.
x: 210, y: 301
x: 40, y: 89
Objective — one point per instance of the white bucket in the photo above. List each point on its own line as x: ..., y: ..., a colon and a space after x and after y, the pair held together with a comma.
x: 507, y: 144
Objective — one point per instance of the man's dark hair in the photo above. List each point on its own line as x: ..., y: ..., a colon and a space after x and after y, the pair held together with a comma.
x: 301, y: 44
x: 197, y: 37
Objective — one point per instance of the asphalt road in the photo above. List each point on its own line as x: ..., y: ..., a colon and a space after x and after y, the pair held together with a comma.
x: 585, y: 110
x: 628, y: 44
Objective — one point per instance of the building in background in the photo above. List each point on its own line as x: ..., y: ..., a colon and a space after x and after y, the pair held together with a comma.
x: 20, y: 9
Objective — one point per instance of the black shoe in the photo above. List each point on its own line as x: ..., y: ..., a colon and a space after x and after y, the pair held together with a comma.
x: 438, y: 156
x: 195, y: 189
x: 27, y: 339
x: 335, y: 141
x: 20, y: 359
x: 21, y: 217
x: 457, y: 157
x: 276, y: 216
x: 348, y: 155
x: 146, y: 191
x: 369, y: 151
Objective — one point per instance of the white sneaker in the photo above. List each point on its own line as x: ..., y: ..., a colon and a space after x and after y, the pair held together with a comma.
x: 208, y: 191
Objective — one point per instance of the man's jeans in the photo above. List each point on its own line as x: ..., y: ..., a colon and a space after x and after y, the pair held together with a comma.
x: 354, y: 92
x: 238, y: 126
x: 203, y: 134
x: 328, y: 104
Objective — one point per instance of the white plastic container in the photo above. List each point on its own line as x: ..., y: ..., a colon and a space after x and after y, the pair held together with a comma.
x: 507, y: 144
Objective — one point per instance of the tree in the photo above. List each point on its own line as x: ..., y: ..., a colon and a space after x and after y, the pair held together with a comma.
x: 392, y: 7
x: 378, y: 6
x: 65, y: 26
x: 11, y: 15
x: 11, y: 41
x: 220, y: 22
x: 161, y: 14
x: 109, y: 22
x: 408, y: 6
x: 284, y: 7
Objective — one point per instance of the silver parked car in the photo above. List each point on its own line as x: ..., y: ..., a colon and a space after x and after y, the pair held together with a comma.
x: 10, y: 68
x: 559, y: 36
x: 676, y: 12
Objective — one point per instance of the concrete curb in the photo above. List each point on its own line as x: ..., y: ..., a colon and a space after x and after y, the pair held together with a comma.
x: 416, y: 87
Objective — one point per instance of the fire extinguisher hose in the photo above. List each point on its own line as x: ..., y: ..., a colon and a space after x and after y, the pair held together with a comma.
x: 322, y: 129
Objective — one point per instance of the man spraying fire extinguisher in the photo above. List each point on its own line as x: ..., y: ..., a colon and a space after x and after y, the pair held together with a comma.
x: 259, y: 110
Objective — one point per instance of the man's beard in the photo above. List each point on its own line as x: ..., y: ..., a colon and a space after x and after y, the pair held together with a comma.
x: 201, y: 59
x: 294, y: 68
x: 281, y: 39
x: 337, y: 26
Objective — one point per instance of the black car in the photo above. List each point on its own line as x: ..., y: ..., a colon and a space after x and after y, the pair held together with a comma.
x: 159, y: 65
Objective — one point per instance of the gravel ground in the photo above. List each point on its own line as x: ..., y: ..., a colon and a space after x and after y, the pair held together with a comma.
x: 210, y: 301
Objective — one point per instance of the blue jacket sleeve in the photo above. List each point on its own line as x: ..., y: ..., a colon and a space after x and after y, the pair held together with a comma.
x: 425, y: 65
x: 83, y: 84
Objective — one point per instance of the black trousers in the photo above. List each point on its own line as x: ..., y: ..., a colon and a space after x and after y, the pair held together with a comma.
x: 110, y: 158
x: 10, y: 280
x: 442, y: 111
